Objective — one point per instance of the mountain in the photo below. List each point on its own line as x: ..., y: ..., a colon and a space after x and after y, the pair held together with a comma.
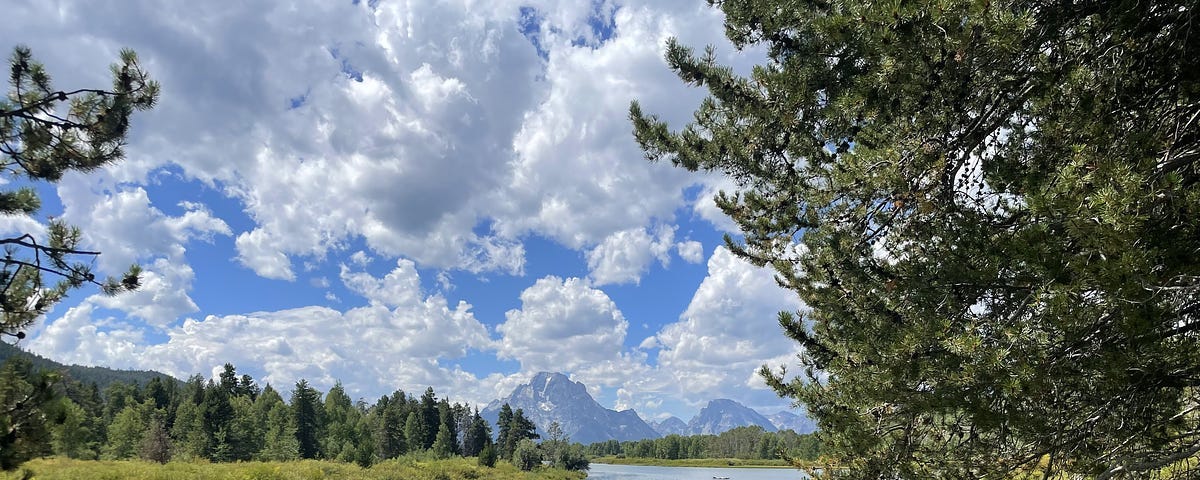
x: 786, y: 420
x: 101, y: 376
x: 551, y: 397
x: 670, y: 426
x: 724, y: 414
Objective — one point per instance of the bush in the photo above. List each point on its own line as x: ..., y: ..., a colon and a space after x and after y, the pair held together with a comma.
x: 487, y: 456
x: 527, y: 456
x: 572, y: 458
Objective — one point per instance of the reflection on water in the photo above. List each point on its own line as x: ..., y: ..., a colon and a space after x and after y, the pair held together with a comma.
x: 602, y: 471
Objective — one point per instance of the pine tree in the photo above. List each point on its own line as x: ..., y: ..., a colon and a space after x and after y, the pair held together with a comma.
x: 23, y: 392
x: 487, y: 455
x: 45, y: 133
x: 478, y: 435
x: 390, y: 441
x: 187, y: 433
x: 155, y: 445
x: 429, y: 417
x: 69, y: 435
x: 341, y: 421
x: 280, y: 442
x: 414, y: 430
x: 989, y: 211
x: 504, y: 435
x: 306, y: 408
x: 126, y: 431
x: 520, y: 428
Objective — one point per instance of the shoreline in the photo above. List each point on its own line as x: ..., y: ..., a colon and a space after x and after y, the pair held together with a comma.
x: 692, y: 463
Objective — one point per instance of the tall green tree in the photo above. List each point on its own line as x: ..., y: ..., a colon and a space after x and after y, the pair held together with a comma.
x: 307, y: 409
x: 70, y: 432
x: 414, y: 430
x: 23, y: 431
x: 519, y: 428
x: 445, y: 443
x: 44, y: 133
x: 504, y: 431
x: 989, y: 209
x: 280, y: 442
x: 127, y: 430
x: 478, y: 434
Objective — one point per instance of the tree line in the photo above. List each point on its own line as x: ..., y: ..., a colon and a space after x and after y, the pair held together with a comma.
x: 751, y: 442
x: 231, y: 418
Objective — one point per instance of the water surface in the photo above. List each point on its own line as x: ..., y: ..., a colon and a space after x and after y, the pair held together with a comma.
x: 604, y: 471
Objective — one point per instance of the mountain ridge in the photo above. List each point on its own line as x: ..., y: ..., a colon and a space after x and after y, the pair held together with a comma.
x: 552, y: 397
x: 101, y: 376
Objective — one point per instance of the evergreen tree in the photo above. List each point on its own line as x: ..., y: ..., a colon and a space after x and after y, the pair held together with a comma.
x: 155, y: 445
x: 228, y: 380
x: 341, y: 423
x: 218, y: 422
x: 414, y: 430
x: 23, y: 432
x: 280, y: 442
x: 187, y: 433
x: 126, y: 432
x: 245, y: 429
x: 45, y: 133
x: 487, y: 456
x: 504, y: 435
x: 520, y: 428
x: 306, y: 408
x: 390, y: 441
x: 429, y: 417
x: 478, y: 435
x: 69, y: 435
x: 989, y: 210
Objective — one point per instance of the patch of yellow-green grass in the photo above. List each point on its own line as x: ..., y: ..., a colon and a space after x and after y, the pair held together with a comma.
x: 403, y: 468
x: 695, y: 462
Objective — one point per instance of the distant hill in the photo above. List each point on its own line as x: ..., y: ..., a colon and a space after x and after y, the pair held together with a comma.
x: 551, y: 397
x: 723, y: 414
x: 786, y: 420
x: 670, y: 426
x: 101, y: 376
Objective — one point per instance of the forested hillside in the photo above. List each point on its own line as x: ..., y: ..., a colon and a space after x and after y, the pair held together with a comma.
x: 101, y: 376
x: 232, y: 418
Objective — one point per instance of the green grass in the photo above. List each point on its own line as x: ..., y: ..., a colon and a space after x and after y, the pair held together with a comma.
x: 402, y: 468
x: 695, y: 462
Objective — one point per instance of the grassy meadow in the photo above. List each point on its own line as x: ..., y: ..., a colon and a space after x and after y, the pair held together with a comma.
x: 400, y: 468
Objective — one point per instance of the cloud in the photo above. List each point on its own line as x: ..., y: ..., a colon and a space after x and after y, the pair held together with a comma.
x: 625, y: 256
x: 567, y: 326
x: 727, y: 331
x: 690, y: 251
x: 399, y: 340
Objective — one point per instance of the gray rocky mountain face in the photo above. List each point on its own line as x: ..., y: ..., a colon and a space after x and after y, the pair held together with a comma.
x: 551, y: 397
x: 786, y: 420
x: 670, y: 426
x: 723, y: 414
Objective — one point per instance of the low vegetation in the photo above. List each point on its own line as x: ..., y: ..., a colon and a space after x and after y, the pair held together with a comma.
x: 403, y: 467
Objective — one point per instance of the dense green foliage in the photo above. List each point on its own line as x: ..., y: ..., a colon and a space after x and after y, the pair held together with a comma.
x: 232, y: 419
x: 45, y: 133
x: 101, y: 376
x: 406, y: 467
x: 741, y: 443
x: 990, y: 209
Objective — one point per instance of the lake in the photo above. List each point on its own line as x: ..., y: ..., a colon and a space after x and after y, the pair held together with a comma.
x: 603, y: 471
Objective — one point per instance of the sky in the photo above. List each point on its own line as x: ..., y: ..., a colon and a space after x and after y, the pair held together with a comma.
x: 401, y: 194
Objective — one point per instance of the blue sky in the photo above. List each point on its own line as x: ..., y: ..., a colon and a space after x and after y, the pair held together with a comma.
x: 402, y: 194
